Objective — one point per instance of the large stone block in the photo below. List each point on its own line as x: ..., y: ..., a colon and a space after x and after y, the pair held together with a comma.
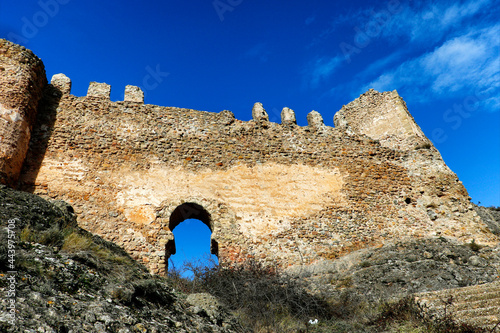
x: 99, y: 90
x: 134, y: 94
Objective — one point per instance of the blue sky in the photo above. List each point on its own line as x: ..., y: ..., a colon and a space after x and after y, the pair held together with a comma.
x: 441, y: 56
x: 192, y: 242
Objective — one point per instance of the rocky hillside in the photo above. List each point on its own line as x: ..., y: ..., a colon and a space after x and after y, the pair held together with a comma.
x: 432, y: 269
x: 490, y: 216
x: 68, y: 280
x: 405, y: 268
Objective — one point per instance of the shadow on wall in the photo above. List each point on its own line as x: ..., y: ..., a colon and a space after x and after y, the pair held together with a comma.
x: 41, y: 133
x: 189, y: 210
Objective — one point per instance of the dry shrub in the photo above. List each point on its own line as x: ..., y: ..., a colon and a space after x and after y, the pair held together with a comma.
x: 407, y: 310
x: 264, y: 298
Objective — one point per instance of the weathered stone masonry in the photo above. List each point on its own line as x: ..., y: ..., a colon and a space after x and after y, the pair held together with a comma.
x: 279, y: 193
x: 22, y: 78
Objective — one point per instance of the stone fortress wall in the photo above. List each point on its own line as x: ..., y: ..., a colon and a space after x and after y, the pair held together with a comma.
x: 280, y: 193
x: 22, y: 79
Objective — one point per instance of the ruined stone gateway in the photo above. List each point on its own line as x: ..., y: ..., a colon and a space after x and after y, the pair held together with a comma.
x: 278, y: 193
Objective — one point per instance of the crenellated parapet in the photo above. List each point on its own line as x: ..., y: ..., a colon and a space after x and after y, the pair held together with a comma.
x: 102, y: 91
x: 98, y: 90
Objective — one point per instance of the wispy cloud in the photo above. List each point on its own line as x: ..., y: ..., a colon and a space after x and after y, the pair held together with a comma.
x: 416, y: 20
x: 433, y: 50
x: 259, y: 51
x: 321, y: 69
x: 428, y: 21
x: 464, y: 64
x: 418, y: 23
x: 310, y: 20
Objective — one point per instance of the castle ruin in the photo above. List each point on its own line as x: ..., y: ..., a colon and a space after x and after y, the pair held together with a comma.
x: 278, y: 193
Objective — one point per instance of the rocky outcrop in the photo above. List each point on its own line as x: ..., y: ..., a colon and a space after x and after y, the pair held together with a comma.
x: 490, y: 216
x: 404, y: 268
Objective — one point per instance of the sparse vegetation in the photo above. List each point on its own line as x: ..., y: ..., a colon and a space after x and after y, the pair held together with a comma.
x: 53, y: 236
x: 409, y: 316
x: 263, y: 298
x: 365, y: 264
x: 267, y: 300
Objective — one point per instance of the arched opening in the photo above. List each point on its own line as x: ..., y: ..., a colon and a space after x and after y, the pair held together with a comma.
x: 193, y: 235
x: 192, y: 241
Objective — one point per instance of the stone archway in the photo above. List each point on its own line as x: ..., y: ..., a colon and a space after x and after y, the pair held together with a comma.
x: 188, y: 210
x: 214, y: 214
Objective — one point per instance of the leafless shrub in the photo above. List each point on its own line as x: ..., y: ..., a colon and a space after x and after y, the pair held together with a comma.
x: 263, y: 297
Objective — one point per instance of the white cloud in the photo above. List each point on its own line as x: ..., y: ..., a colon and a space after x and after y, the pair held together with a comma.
x: 463, y: 65
x: 458, y: 12
x: 427, y: 21
x: 434, y: 50
x: 321, y: 69
x: 419, y: 22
